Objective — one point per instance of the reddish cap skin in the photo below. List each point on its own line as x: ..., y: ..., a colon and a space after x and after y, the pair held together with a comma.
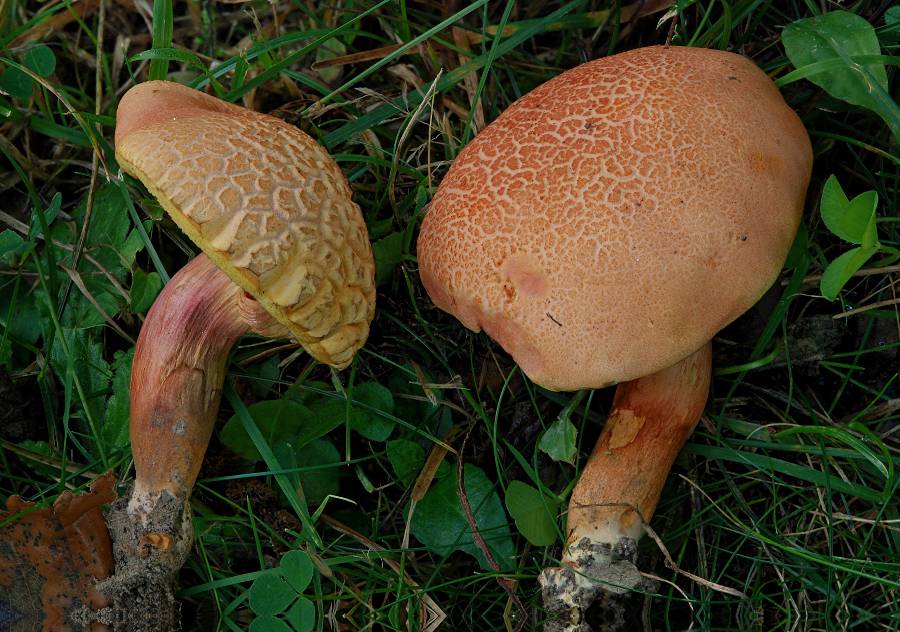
x: 160, y: 102
x: 611, y: 221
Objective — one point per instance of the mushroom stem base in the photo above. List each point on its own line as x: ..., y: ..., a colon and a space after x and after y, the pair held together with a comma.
x: 150, y: 547
x: 593, y: 567
x: 618, y: 490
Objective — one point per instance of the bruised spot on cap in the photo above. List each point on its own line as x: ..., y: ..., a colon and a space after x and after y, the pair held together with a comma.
x: 763, y: 162
x: 526, y: 275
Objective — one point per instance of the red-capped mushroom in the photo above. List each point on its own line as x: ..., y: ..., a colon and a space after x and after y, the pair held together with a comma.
x: 602, y: 230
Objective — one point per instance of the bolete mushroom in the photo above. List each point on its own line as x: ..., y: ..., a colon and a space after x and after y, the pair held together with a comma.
x: 602, y: 230
x: 286, y: 254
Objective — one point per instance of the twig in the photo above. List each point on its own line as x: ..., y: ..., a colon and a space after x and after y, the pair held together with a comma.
x: 865, y: 308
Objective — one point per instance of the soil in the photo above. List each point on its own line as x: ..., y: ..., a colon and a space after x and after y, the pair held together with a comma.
x: 18, y: 401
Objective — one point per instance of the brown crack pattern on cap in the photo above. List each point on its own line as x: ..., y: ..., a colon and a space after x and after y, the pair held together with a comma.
x: 611, y: 221
x: 51, y: 559
x: 264, y: 201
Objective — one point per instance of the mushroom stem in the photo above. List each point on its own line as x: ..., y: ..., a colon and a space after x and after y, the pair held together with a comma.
x: 177, y: 377
x: 651, y: 418
x: 650, y: 421
x: 176, y: 385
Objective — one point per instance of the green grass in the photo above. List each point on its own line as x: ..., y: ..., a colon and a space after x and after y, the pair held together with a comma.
x: 787, y: 492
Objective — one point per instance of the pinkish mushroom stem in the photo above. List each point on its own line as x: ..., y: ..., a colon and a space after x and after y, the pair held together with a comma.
x: 650, y: 421
x: 177, y: 377
x: 176, y: 385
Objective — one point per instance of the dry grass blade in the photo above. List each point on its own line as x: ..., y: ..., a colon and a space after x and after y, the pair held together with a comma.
x: 507, y: 584
x: 431, y: 616
x: 633, y: 11
x: 43, y: 29
x: 401, y: 139
x: 672, y: 565
x: 470, y: 81
x: 423, y: 481
x: 22, y: 228
x: 95, y: 157
x: 22, y: 159
x: 356, y: 58
x: 37, y: 457
x: 79, y: 283
x: 813, y: 279
x: 865, y: 308
x: 465, y: 38
x: 435, y: 458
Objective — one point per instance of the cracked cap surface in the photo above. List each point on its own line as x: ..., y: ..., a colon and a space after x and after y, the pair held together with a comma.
x: 264, y: 201
x: 611, y: 221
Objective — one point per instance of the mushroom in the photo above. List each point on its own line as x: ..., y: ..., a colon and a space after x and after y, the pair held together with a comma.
x: 286, y: 254
x: 602, y: 230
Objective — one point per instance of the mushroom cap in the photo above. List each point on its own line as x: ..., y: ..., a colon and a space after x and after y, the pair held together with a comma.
x: 264, y: 201
x: 611, y: 221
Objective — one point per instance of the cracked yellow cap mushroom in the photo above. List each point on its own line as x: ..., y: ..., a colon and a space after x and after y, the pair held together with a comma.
x: 264, y: 201
x: 602, y: 230
x: 286, y: 253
